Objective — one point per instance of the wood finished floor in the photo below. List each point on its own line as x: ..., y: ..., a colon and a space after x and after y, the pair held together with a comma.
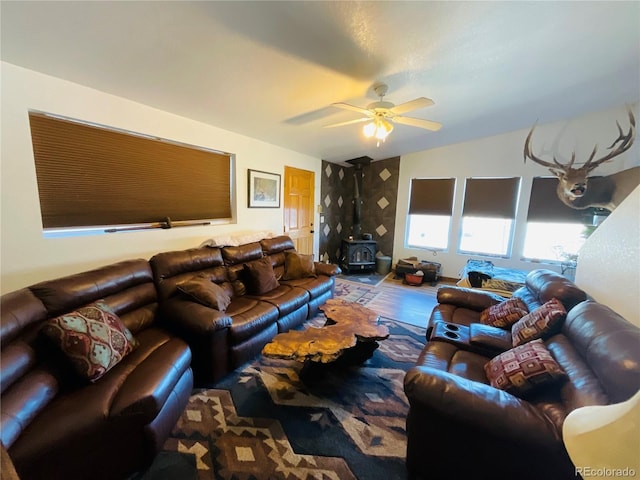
x: 403, y: 302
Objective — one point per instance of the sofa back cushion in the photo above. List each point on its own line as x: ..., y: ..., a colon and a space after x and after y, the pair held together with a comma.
x: 170, y: 269
x: 542, y: 285
x: 126, y: 287
x: 609, y: 345
x: 21, y: 315
x: 241, y: 254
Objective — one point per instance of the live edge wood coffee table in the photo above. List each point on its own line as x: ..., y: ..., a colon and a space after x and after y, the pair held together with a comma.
x: 351, y: 334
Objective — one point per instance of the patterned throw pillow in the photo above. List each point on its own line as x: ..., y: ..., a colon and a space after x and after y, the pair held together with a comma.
x: 504, y: 314
x: 260, y: 276
x: 93, y: 338
x: 297, y: 265
x: 524, y: 369
x: 543, y: 322
x: 204, y: 291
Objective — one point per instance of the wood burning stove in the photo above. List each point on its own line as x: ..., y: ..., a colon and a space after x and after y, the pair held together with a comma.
x: 358, y: 255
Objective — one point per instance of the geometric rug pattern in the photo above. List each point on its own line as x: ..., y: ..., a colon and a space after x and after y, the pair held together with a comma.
x: 352, y: 292
x: 273, y: 420
x: 370, y: 279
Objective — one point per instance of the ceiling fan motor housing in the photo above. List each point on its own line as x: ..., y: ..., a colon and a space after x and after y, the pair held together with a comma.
x: 380, y: 107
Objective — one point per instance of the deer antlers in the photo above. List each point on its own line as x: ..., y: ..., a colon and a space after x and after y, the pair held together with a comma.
x: 623, y: 143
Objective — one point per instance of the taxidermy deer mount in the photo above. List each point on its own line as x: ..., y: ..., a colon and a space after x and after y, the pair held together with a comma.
x: 578, y: 191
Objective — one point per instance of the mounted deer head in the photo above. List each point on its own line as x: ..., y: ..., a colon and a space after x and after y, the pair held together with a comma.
x: 577, y: 190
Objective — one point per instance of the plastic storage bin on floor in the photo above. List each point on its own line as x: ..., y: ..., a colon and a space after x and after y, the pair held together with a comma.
x: 383, y: 265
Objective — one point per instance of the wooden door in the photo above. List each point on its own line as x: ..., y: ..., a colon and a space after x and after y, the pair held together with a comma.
x: 298, y: 207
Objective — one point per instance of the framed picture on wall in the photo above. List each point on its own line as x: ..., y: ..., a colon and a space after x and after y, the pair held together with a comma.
x: 264, y: 189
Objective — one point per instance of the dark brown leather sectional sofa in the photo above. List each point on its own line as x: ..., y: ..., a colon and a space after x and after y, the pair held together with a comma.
x: 220, y: 342
x: 459, y: 426
x: 55, y: 424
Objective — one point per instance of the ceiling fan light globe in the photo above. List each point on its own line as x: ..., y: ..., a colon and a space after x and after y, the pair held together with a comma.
x: 369, y: 129
x: 381, y: 133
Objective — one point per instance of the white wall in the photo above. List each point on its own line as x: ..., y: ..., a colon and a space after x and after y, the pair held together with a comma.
x: 26, y: 257
x: 609, y: 267
x: 502, y: 155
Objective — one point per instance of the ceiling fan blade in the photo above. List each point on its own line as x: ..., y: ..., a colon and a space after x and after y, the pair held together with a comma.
x: 418, y: 122
x: 421, y: 102
x: 349, y: 122
x: 353, y: 108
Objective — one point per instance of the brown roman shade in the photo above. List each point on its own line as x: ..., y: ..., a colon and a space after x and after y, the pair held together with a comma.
x: 431, y: 196
x: 91, y: 175
x: 491, y: 197
x: 545, y: 206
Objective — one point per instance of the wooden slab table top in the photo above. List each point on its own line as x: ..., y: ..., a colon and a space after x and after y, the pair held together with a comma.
x: 350, y: 328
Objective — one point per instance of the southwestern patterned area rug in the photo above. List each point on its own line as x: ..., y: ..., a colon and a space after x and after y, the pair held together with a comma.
x: 351, y: 292
x: 371, y: 279
x: 269, y: 420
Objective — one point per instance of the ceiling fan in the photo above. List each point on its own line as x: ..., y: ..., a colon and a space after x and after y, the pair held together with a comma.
x: 380, y: 114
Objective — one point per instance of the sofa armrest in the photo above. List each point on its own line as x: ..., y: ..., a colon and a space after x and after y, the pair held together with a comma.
x: 148, y: 386
x: 328, y: 269
x: 193, y: 317
x: 494, y: 339
x: 469, y: 298
x: 478, y: 406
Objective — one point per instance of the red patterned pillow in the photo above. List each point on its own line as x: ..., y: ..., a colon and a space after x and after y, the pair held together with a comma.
x: 93, y: 338
x: 504, y: 314
x: 524, y: 369
x: 543, y: 322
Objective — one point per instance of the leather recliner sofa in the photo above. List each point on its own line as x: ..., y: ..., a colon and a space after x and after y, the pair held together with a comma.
x: 222, y: 341
x: 56, y: 424
x: 459, y: 426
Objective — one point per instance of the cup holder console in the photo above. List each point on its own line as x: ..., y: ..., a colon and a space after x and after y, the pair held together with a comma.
x: 450, y: 332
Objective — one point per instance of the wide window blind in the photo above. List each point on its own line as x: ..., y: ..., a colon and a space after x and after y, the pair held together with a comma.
x: 491, y: 197
x: 91, y: 175
x: 431, y: 196
x: 545, y: 206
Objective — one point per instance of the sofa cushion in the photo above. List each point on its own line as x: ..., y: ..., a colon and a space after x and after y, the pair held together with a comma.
x: 543, y: 322
x: 524, y: 369
x: 260, y: 276
x: 286, y: 298
x: 92, y: 337
x: 298, y: 265
x: 203, y: 290
x: 504, y: 314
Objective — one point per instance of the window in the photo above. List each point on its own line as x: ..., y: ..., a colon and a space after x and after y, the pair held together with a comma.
x: 92, y: 177
x: 486, y: 236
x: 553, y: 241
x: 488, y: 215
x: 430, y: 207
x: 555, y: 232
x: 429, y: 231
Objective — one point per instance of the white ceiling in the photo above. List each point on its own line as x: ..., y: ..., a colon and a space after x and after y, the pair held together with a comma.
x: 270, y: 70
